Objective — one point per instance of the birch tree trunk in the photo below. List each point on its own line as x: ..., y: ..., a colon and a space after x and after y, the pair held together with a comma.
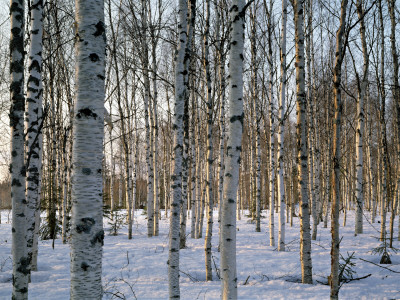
x: 231, y: 179
x: 302, y: 155
x: 17, y: 167
x: 180, y: 91
x: 185, y: 161
x: 360, y: 125
x: 34, y: 122
x: 382, y: 112
x: 209, y: 170
x: 396, y: 85
x: 281, y: 114
x: 87, y: 233
x: 149, y: 152
x: 272, y: 132
x: 337, y: 77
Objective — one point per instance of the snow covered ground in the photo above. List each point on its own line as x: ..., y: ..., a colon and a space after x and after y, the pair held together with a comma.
x: 137, y: 268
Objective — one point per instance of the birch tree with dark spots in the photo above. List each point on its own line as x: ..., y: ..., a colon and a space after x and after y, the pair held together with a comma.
x: 234, y: 148
x: 302, y: 153
x: 17, y: 167
x: 33, y: 122
x: 180, y: 91
x: 87, y: 233
x: 341, y: 35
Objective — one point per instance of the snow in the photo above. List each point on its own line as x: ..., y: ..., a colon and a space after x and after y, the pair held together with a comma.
x: 138, y: 267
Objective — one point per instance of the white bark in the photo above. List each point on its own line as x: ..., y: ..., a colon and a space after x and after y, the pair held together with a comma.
x: 209, y: 170
x: 302, y: 153
x: 87, y: 233
x: 180, y: 91
x: 231, y: 180
x: 282, y: 104
x: 360, y: 125
x: 17, y: 166
x: 272, y: 133
x: 33, y: 122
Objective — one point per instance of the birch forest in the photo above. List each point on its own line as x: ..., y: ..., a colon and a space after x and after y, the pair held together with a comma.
x: 199, y: 149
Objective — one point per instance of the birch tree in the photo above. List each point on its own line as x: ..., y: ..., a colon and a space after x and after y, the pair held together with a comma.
x: 209, y: 170
x: 337, y: 77
x: 33, y: 122
x: 396, y: 85
x: 302, y: 153
x: 180, y: 91
x: 87, y: 233
x: 17, y: 167
x: 362, y: 89
x: 281, y: 186
x: 231, y: 177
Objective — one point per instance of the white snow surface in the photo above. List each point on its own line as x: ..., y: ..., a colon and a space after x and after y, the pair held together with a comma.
x: 137, y: 268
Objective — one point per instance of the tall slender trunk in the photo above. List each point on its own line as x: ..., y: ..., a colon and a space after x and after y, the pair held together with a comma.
x: 360, y: 124
x: 302, y: 153
x: 33, y: 123
x: 209, y: 169
x: 87, y: 233
x: 231, y: 180
x: 281, y: 134
x: 396, y: 85
x: 180, y: 94
x: 382, y: 112
x: 337, y: 77
x: 185, y: 167
x: 272, y: 131
x: 17, y: 167
x: 155, y: 140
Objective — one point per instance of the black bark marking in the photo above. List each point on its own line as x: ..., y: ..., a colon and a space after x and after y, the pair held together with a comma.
x: 98, y: 237
x: 100, y: 29
x: 84, y: 266
x: 86, y: 112
x: 23, y: 266
x: 94, y: 57
x: 86, y: 225
x: 86, y: 171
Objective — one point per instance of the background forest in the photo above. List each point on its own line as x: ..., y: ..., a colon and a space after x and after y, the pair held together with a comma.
x: 319, y: 114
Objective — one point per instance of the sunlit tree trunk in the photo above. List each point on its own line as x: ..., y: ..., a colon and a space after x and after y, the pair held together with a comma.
x: 302, y: 153
x: 231, y: 180
x: 337, y: 77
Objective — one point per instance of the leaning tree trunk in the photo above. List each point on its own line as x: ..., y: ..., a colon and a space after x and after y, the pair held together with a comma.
x: 337, y: 77
x: 180, y: 94
x: 302, y: 155
x: 87, y: 233
x: 33, y: 123
x: 17, y: 167
x: 231, y: 179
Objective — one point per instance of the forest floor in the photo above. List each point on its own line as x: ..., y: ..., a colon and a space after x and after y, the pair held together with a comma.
x: 137, y: 268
